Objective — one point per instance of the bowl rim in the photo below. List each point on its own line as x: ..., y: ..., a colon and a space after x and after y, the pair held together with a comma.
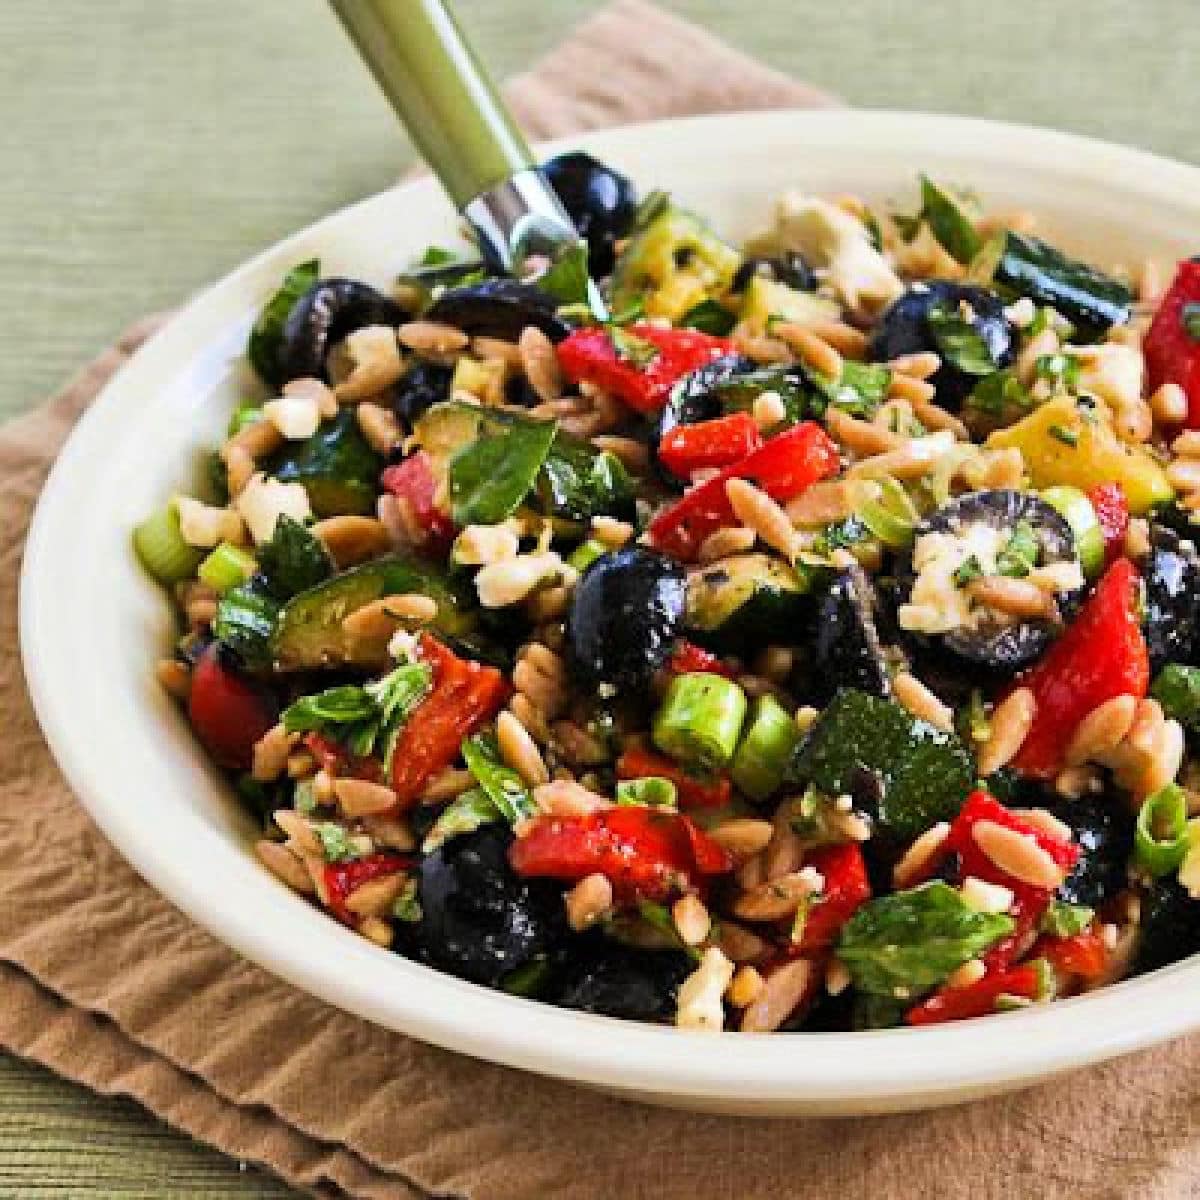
x: 852, y: 1069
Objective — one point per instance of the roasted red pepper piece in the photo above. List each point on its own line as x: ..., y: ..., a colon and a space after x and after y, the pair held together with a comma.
x: 1083, y: 954
x: 846, y: 889
x: 1029, y: 901
x: 339, y: 762
x: 464, y: 696
x: 589, y: 356
x: 342, y: 878
x: 1103, y: 654
x: 1112, y: 511
x: 690, y: 659
x: 715, y: 443
x: 228, y: 711
x: 694, y: 791
x: 413, y: 482
x: 978, y: 999
x: 783, y: 467
x: 644, y: 853
x: 1172, y: 352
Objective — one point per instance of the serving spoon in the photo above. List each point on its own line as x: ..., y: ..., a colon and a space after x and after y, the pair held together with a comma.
x: 440, y: 91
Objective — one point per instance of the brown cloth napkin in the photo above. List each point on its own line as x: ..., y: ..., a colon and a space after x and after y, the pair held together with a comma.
x: 103, y: 981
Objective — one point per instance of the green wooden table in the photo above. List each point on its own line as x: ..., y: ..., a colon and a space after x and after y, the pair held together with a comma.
x: 151, y: 145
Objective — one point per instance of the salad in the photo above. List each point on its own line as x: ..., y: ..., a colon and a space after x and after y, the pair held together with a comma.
x: 810, y: 641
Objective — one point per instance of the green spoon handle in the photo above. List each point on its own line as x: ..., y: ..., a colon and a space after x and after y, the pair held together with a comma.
x: 437, y: 86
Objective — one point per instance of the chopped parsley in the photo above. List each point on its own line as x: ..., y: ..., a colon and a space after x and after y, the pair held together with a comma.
x: 407, y: 907
x: 970, y: 569
x: 1020, y: 555
x: 1060, y: 433
x: 335, y: 841
x: 959, y: 342
x: 1060, y: 370
x: 1063, y: 920
x: 996, y: 394
x: 632, y: 349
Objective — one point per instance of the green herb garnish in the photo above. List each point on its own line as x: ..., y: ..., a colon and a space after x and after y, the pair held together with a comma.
x: 959, y: 342
x: 335, y: 842
x: 652, y: 791
x: 491, y: 476
x: 636, y: 351
x: 266, y: 338
x: 503, y: 786
x: 1063, y: 920
x: 1060, y: 433
x: 970, y: 569
x: 948, y: 223
x: 1020, y: 555
x: 907, y: 942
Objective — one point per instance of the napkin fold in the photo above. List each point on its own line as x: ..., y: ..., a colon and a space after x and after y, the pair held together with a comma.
x: 104, y: 982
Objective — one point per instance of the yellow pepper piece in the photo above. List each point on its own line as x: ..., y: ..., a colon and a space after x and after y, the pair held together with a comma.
x: 1063, y: 445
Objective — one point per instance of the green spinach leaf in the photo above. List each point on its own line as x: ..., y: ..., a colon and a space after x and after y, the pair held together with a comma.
x: 948, y: 223
x: 502, y: 785
x: 906, y: 943
x: 293, y: 560
x: 266, y: 337
x: 490, y: 477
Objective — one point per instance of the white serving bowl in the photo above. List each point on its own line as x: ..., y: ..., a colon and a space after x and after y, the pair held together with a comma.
x: 92, y: 626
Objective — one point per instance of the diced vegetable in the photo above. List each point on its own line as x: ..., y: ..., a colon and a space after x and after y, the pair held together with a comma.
x: 228, y: 711
x: 1065, y: 442
x: 337, y: 467
x: 1027, y: 983
x: 465, y: 696
x: 700, y: 720
x: 343, y: 878
x: 638, y: 363
x: 765, y: 300
x: 1177, y: 689
x: 746, y: 599
x: 1092, y: 301
x: 692, y: 790
x: 310, y: 633
x: 1112, y: 511
x: 1082, y: 954
x: 1062, y: 920
x: 715, y: 443
x: 413, y: 483
x: 1160, y: 839
x: 1172, y: 345
x: 650, y: 791
x: 919, y: 775
x: 1075, y: 506
x: 690, y: 657
x: 585, y: 554
x: 845, y: 890
x: 784, y: 467
x: 161, y: 549
x: 644, y: 853
x: 225, y: 567
x: 1102, y: 654
x: 766, y: 748
x: 907, y: 942
x: 671, y: 265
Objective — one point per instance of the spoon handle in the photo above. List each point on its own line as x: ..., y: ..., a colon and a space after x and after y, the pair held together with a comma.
x: 437, y: 86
